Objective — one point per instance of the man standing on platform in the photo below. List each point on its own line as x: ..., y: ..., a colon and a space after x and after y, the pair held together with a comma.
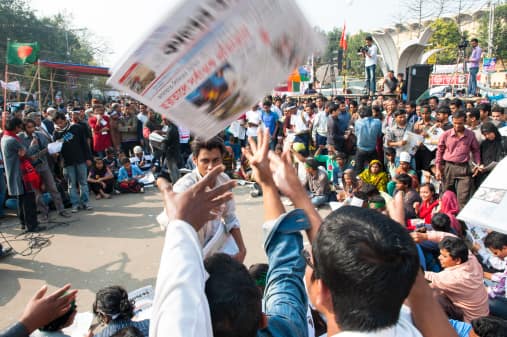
x: 473, y: 66
x: 369, y: 52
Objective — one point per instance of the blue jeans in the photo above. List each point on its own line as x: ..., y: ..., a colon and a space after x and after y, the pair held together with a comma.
x: 319, y: 200
x: 472, y: 81
x: 370, y: 79
x: 3, y: 190
x: 285, y: 300
x: 77, y: 174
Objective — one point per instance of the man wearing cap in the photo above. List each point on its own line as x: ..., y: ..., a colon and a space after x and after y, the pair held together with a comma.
x: 317, y: 183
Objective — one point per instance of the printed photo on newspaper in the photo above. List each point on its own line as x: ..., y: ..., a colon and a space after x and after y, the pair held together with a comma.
x: 208, y: 61
x: 488, y: 206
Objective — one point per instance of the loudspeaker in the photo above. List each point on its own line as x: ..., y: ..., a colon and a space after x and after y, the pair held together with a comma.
x: 418, y: 77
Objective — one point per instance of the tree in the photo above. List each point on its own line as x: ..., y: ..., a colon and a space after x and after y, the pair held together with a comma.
x: 499, y: 32
x: 418, y: 10
x: 446, y: 36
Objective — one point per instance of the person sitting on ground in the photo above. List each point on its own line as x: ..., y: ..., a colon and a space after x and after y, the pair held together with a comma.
x: 390, y: 162
x: 350, y: 186
x: 497, y: 244
x: 101, y: 179
x: 114, y: 311
x: 335, y: 165
x: 375, y: 175
x: 404, y: 168
x: 449, y: 206
x: 41, y: 310
x: 317, y: 183
x: 128, y: 178
x: 141, y: 160
x: 489, y: 327
x: 353, y: 290
x: 429, y: 201
x: 410, y: 196
x: 55, y: 327
x: 111, y: 161
x: 462, y: 278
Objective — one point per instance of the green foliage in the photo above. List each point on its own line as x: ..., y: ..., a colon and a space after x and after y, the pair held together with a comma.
x: 446, y: 35
x: 499, y: 32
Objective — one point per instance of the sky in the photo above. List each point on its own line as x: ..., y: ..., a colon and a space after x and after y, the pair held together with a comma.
x: 120, y: 23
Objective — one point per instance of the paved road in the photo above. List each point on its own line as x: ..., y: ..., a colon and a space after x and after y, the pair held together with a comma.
x: 118, y: 242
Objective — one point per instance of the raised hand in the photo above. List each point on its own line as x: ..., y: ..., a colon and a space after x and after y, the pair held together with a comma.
x: 197, y: 205
x: 258, y: 157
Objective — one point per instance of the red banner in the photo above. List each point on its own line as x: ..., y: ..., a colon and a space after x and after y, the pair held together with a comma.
x: 448, y: 79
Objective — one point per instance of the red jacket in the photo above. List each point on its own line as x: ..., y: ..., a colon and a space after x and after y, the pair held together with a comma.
x: 101, y: 139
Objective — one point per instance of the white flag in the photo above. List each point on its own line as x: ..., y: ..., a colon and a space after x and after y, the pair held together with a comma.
x: 11, y: 86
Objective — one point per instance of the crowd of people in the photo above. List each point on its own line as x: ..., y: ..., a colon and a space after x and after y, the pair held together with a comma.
x: 393, y: 259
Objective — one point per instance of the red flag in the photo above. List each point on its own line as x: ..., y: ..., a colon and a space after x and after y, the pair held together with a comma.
x: 343, y: 39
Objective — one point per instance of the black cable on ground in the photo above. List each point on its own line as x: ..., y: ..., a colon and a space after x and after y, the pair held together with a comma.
x: 35, y: 241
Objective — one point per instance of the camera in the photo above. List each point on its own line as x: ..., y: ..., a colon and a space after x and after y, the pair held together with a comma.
x: 463, y: 43
x: 363, y: 49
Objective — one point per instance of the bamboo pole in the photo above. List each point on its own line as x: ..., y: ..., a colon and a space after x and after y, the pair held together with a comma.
x: 39, y: 94
x: 4, y: 112
x: 31, y: 85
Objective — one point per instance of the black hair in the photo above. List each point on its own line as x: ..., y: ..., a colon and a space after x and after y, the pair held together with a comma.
x: 456, y: 247
x: 495, y: 240
x: 475, y: 113
x: 435, y: 98
x: 444, y: 110
x: 312, y: 163
x: 369, y: 189
x: 390, y: 151
x: 369, y: 38
x: 425, y: 107
x: 400, y: 112
x: 412, y: 104
x: 497, y: 108
x: 125, y: 161
x: 485, y: 107
x: 59, y: 323
x: 130, y: 331
x: 360, y: 254
x: 266, y: 103
x: 441, y: 222
x: 457, y: 102
x: 489, y: 326
x: 59, y: 115
x: 430, y: 186
x: 234, y: 299
x: 13, y: 123
x: 474, y: 40
x: 113, y: 302
x: 353, y: 103
x: 459, y: 114
x: 332, y: 106
x: 29, y: 121
x: 404, y: 179
x: 365, y: 111
x: 214, y: 143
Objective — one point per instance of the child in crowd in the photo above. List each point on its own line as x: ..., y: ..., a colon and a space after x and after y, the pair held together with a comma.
x: 111, y: 161
x: 141, y: 160
x: 128, y: 178
x: 101, y: 179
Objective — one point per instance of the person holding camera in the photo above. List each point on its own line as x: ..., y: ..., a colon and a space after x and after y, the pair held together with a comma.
x: 473, y: 66
x: 369, y: 52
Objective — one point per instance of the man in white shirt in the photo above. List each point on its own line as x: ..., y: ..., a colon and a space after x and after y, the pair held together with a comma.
x: 369, y: 52
x: 319, y: 130
x: 253, y: 120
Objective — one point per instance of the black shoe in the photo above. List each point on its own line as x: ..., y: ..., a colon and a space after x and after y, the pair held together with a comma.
x: 23, y: 227
x: 6, y: 252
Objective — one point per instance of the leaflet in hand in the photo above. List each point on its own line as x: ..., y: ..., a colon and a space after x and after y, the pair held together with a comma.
x: 208, y: 61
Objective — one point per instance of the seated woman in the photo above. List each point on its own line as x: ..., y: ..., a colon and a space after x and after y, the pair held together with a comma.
x: 449, y: 206
x: 375, y: 175
x: 128, y: 177
x: 350, y: 186
x: 114, y: 311
x: 427, y: 206
x: 101, y: 179
x: 462, y: 278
